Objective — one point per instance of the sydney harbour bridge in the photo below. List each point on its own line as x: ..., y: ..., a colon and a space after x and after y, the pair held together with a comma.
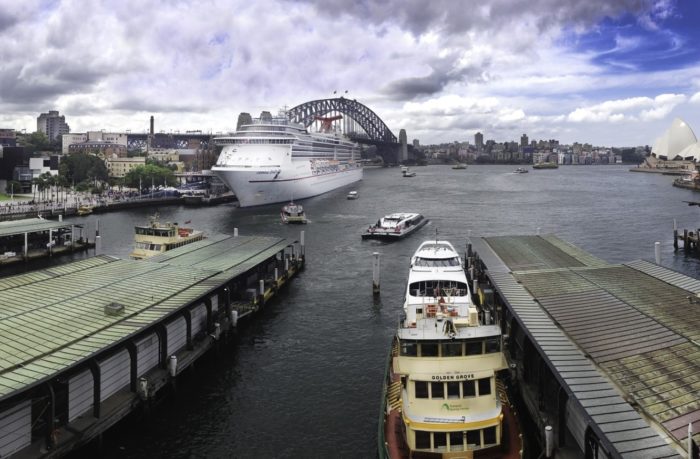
x: 340, y: 114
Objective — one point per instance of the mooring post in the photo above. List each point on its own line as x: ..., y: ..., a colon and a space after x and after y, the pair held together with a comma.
x: 235, y: 232
x: 98, y: 245
x: 685, y: 239
x: 657, y: 252
x: 538, y: 230
x: 302, y: 249
x: 675, y: 235
x: 548, y: 441
x: 375, y: 273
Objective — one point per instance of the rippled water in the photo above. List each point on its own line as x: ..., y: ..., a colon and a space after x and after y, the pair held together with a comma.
x: 304, y: 378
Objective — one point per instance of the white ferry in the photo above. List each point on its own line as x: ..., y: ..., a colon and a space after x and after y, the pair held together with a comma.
x: 395, y: 226
x: 272, y: 158
x: 155, y: 238
x: 443, y: 397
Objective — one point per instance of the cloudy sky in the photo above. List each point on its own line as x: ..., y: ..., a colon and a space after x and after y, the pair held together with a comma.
x: 608, y: 72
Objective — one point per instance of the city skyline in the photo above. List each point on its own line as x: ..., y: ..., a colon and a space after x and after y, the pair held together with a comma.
x: 606, y: 73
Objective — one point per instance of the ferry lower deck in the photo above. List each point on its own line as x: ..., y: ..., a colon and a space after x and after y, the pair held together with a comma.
x: 605, y: 355
x: 85, y: 343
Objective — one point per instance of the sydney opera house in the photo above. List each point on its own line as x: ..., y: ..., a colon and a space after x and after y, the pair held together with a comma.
x: 677, y: 143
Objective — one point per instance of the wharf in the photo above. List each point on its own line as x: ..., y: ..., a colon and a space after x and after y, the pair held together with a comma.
x: 85, y: 343
x: 608, y: 355
x: 22, y: 240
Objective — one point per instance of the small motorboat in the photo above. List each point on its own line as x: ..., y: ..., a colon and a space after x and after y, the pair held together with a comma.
x: 353, y: 195
x: 520, y: 170
x: 459, y: 166
x: 406, y: 172
x: 293, y: 213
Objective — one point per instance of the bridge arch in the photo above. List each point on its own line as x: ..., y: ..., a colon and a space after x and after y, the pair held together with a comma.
x: 375, y: 128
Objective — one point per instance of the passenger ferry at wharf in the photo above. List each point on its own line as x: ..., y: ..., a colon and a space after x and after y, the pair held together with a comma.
x: 443, y: 395
x: 273, y: 159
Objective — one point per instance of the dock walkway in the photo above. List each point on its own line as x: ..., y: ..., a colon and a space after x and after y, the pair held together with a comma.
x: 85, y: 343
x: 606, y: 354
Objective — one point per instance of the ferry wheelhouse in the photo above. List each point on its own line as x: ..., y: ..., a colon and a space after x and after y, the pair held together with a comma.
x: 443, y: 395
x: 155, y: 238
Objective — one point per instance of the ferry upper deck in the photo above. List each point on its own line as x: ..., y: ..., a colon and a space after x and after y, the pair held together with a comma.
x: 608, y: 355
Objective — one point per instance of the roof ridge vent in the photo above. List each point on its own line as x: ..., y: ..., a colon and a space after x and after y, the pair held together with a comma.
x: 114, y: 309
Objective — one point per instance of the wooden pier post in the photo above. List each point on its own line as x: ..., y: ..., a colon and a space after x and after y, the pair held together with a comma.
x: 675, y: 235
x: 657, y: 252
x: 375, y: 273
x: 685, y: 239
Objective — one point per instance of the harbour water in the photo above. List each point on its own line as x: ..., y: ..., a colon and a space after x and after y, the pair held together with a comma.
x: 304, y: 378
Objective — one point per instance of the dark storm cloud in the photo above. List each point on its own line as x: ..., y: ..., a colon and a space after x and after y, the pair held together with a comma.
x: 450, y: 16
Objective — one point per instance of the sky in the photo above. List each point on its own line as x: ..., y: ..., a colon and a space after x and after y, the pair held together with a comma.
x: 606, y: 72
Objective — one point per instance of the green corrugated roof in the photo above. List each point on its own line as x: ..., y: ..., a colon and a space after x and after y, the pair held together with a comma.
x: 30, y: 225
x: 54, y: 318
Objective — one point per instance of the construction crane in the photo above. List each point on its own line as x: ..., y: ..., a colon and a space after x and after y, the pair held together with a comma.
x: 327, y: 122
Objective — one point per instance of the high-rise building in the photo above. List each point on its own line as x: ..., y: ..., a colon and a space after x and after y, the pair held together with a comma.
x: 479, y: 140
x: 52, y: 124
x: 523, y: 140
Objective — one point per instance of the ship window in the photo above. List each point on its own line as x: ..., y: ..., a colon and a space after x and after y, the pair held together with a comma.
x: 437, y: 389
x: 429, y: 349
x: 484, y: 386
x: 453, y: 389
x: 473, y: 347
x: 493, y: 345
x: 421, y: 389
x: 439, y: 440
x: 490, y: 436
x: 456, y: 441
x: 474, y: 438
x: 468, y: 388
x: 409, y: 348
x: 452, y: 349
x: 422, y: 439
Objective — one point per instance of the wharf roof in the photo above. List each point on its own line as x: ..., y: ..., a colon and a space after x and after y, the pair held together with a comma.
x: 53, y: 319
x: 30, y: 225
x: 622, y: 339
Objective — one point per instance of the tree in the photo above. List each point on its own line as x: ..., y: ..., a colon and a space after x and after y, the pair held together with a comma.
x: 36, y: 141
x: 13, y: 187
x: 149, y: 174
x: 80, y: 167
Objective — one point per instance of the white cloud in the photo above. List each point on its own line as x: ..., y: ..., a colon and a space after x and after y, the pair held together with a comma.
x: 695, y: 99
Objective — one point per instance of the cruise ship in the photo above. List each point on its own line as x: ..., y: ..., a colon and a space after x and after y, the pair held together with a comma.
x: 273, y: 160
x: 444, y: 394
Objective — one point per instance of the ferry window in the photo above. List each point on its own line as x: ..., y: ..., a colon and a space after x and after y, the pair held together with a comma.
x: 440, y: 440
x: 484, y: 386
x: 437, y: 389
x: 421, y: 389
x: 453, y: 389
x: 490, y: 436
x: 409, y: 348
x: 493, y: 345
x: 456, y: 441
x: 452, y: 349
x: 474, y: 438
x: 429, y: 349
x: 422, y: 439
x: 468, y: 388
x: 473, y: 347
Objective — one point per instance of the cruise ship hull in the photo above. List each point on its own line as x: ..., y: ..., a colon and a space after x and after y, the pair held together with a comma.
x: 259, y: 187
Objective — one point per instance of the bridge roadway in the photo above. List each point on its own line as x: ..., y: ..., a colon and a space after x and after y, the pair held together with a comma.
x: 608, y: 355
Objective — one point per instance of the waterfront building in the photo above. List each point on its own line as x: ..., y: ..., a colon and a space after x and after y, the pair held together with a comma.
x: 119, y: 167
x: 52, y: 124
x: 8, y: 138
x: 523, y: 140
x: 479, y: 140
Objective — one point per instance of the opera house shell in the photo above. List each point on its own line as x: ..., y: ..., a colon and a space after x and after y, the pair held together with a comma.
x: 677, y: 143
